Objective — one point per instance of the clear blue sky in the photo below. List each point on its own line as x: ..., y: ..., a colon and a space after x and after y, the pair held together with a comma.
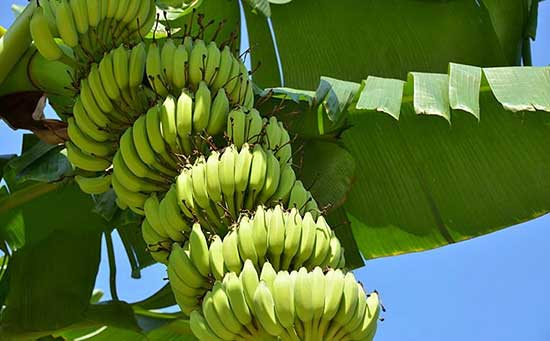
x: 489, y: 288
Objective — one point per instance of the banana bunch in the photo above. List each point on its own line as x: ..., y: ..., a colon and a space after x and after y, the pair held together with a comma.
x: 245, y: 125
x: 89, y: 27
x: 215, y: 190
x: 299, y: 305
x: 174, y: 65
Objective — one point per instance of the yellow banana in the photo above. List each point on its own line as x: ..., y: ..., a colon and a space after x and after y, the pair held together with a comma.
x: 85, y: 161
x: 43, y: 37
x: 264, y: 307
x: 198, y: 249
x: 201, y: 113
x: 65, y: 24
x: 215, y: 257
x: 179, y: 77
x: 97, y: 185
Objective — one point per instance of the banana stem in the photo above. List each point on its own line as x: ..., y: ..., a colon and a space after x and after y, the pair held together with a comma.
x: 16, y: 41
x: 112, y: 265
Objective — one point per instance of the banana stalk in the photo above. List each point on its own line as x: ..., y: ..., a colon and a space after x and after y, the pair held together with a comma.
x: 15, y: 42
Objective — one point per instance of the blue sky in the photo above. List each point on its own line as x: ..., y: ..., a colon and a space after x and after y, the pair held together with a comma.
x: 490, y: 288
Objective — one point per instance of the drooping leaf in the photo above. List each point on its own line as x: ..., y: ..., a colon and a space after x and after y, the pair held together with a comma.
x: 161, y: 299
x: 352, y: 39
x: 178, y: 330
x: 458, y: 163
x: 135, y: 247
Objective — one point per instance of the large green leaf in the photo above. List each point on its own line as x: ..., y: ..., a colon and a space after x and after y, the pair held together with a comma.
x: 442, y: 157
x: 51, y: 281
x: 351, y: 39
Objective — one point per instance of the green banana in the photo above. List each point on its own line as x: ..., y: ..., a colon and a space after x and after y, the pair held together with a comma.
x: 181, y: 263
x: 98, y: 91
x: 43, y: 37
x: 214, y: 320
x: 201, y: 112
x: 276, y: 236
x: 213, y: 186
x: 132, y: 159
x: 250, y: 281
x: 235, y: 294
x: 264, y: 308
x: 154, y: 70
x: 212, y: 62
x: 179, y: 77
x: 168, y: 123
x: 223, y: 309
x: 227, y: 175
x: 215, y: 256
x: 144, y: 149
x: 96, y: 185
x: 236, y: 127
x: 94, y: 12
x: 307, y: 241
x: 200, y: 327
x: 131, y: 198
x: 184, y: 190
x: 167, y: 56
x: 131, y: 181
x: 138, y: 58
x: 298, y: 196
x: 108, y: 74
x: 272, y: 178
x: 197, y: 63
x: 184, y: 121
x: 231, y: 255
x: 198, y: 249
x: 65, y: 24
x: 86, y: 143
x: 283, y: 297
x: 170, y: 213
x: 218, y: 114
x: 154, y: 134
x: 247, y: 249
x: 87, y: 125
x: 85, y: 161
x: 224, y: 69
x: 80, y: 14
x: 286, y: 183
x: 242, y: 173
x: 90, y: 104
x: 293, y: 234
x: 151, y: 208
x: 200, y: 192
x: 257, y: 178
x: 259, y: 232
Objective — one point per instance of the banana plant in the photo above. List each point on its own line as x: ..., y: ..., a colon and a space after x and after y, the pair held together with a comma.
x: 341, y: 142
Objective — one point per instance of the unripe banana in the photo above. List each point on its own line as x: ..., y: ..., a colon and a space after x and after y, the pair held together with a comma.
x: 286, y: 183
x: 250, y: 281
x: 168, y: 122
x: 151, y: 208
x: 200, y: 327
x: 184, y: 190
x: 86, y: 124
x: 233, y: 80
x: 183, y: 266
x: 154, y: 70
x: 131, y: 181
x: 254, y: 126
x: 200, y: 192
x: 231, y: 255
x: 108, y: 73
x: 242, y: 170
x: 349, y: 301
x: 65, y: 24
x: 293, y: 234
x: 268, y: 275
x: 336, y: 252
x: 235, y: 293
x: 227, y: 175
x: 198, y: 249
x: 167, y: 57
x: 132, y: 159
x: 85, y: 161
x: 283, y: 296
x: 42, y: 36
x: 154, y: 134
x: 307, y: 241
x: 138, y: 59
x: 186, y: 296
x: 215, y: 257
x: 236, y: 127
x: 197, y: 63
x: 121, y: 9
x: 259, y: 233
x: 179, y: 77
x: 214, y: 320
x: 121, y: 68
x: 90, y: 104
x: 169, y: 212
x: 111, y: 8
x: 224, y: 69
x: 298, y: 196
x: 203, y: 103
x: 334, y: 287
x: 257, y: 175
x: 184, y: 121
x: 212, y: 62
x: 80, y: 14
x: 322, y: 243
x: 276, y: 235
x: 86, y: 143
x: 272, y: 133
x: 132, y: 198
x: 154, y: 241
x: 94, y: 12
x: 368, y: 326
x: 144, y: 149
x: 272, y: 178
x: 98, y: 91
x: 303, y: 296
x: 97, y: 185
x: 131, y: 11
x: 223, y: 309
x: 218, y: 114
x: 284, y: 153
x: 317, y: 279
x: 212, y: 177
x: 264, y: 307
x: 247, y: 249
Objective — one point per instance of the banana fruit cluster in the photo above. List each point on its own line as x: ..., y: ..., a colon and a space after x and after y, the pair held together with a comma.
x: 89, y: 27
x: 169, y: 126
x: 296, y: 305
